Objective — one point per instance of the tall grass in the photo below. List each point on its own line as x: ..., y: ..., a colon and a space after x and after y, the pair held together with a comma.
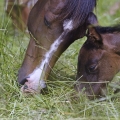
x: 59, y: 103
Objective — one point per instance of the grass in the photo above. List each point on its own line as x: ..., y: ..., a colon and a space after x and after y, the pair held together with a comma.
x: 59, y: 103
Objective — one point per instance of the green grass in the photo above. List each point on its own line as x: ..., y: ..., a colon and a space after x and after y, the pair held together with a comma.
x: 59, y: 103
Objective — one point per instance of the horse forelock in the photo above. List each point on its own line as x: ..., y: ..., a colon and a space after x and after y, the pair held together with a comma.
x: 77, y: 10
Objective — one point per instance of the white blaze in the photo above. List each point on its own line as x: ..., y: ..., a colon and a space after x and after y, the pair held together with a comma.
x: 68, y: 24
x: 36, y: 76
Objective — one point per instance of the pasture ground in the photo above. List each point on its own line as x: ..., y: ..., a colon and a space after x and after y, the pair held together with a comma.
x: 59, y: 103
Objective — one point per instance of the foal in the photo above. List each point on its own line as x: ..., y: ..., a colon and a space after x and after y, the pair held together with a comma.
x: 99, y: 60
x: 19, y: 10
x: 53, y: 26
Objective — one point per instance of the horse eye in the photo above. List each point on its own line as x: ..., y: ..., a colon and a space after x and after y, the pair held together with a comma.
x: 47, y: 22
x: 92, y: 68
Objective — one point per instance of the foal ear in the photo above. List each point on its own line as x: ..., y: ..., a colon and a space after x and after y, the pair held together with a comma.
x: 93, y: 34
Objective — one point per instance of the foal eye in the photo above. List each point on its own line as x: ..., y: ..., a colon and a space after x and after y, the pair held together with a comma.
x: 47, y: 22
x: 92, y: 68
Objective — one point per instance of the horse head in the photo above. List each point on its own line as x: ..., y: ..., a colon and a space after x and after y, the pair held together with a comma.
x: 99, y: 60
x: 53, y: 26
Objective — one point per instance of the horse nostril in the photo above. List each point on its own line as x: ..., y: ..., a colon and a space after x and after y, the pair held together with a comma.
x: 22, y: 82
x: 25, y: 87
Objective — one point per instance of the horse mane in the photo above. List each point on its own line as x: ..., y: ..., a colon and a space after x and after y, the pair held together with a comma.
x: 77, y: 10
x: 109, y: 29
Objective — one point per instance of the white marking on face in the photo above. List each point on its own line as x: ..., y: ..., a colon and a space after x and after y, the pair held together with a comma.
x: 37, y: 75
x: 36, y: 78
x: 68, y: 24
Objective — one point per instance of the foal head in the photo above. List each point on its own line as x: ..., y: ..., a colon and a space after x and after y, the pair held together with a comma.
x: 53, y: 26
x: 99, y: 60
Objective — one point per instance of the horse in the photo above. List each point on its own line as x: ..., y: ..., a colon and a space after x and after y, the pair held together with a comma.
x: 53, y: 26
x: 19, y: 10
x: 98, y: 60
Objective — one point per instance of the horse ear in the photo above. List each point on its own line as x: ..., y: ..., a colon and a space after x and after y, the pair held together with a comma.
x: 93, y: 34
x: 92, y: 19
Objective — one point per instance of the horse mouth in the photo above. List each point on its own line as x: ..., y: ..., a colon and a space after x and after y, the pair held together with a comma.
x: 32, y: 85
x: 29, y: 90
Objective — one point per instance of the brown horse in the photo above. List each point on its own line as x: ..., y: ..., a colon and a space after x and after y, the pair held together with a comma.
x: 19, y: 10
x: 99, y: 60
x: 53, y: 26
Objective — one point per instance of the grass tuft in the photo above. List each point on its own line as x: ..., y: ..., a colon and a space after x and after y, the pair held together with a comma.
x: 61, y: 101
